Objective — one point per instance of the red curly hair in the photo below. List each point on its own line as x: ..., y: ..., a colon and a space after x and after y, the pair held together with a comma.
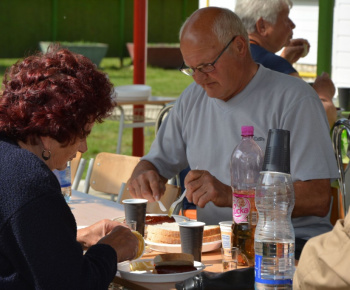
x: 53, y: 94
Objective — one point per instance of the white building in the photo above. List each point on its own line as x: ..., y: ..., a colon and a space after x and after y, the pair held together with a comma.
x: 305, y: 16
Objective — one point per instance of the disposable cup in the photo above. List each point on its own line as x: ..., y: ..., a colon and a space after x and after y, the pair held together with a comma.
x: 229, y: 262
x: 132, y: 224
x: 135, y: 210
x: 277, y: 153
x: 191, y: 234
x: 344, y: 98
x: 226, y: 236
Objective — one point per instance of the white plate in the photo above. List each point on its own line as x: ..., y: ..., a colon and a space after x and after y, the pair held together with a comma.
x: 176, y: 248
x: 143, y: 276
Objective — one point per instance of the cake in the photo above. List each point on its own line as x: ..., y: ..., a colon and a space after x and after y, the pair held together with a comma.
x: 169, y: 233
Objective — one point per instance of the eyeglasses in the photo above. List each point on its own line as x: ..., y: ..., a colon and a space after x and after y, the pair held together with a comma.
x: 204, y: 68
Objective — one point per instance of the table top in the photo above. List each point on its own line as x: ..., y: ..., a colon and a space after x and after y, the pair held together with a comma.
x: 89, y: 209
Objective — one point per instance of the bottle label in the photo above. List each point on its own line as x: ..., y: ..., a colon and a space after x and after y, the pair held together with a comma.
x: 259, y: 277
x: 241, y: 207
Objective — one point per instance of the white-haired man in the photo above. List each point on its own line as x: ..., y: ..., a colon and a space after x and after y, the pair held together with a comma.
x: 270, y: 29
x: 231, y: 90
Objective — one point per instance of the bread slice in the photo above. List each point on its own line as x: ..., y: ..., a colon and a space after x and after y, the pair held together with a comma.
x: 169, y: 233
x: 173, y: 259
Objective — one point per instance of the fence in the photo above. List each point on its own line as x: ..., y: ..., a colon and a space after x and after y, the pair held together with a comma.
x: 24, y: 23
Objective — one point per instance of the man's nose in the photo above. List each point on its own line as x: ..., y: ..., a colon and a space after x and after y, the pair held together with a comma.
x: 199, y: 76
x: 291, y: 23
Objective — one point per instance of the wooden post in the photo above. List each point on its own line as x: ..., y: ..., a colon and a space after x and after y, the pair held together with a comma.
x: 140, y: 61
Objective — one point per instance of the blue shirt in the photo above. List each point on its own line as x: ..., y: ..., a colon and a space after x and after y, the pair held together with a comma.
x: 271, y: 60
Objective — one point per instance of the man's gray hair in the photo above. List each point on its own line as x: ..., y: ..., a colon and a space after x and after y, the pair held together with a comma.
x: 227, y: 24
x: 250, y: 11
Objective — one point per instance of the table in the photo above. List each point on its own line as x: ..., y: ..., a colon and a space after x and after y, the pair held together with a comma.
x: 89, y: 209
x: 138, y: 117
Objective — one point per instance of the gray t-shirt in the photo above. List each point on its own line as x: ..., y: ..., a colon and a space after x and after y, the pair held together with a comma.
x: 202, y: 132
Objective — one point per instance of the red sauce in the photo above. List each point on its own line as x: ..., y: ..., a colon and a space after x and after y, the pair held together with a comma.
x: 159, y: 219
x: 174, y: 269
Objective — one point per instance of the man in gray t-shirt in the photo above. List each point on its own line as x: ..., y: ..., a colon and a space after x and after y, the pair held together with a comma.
x: 231, y: 90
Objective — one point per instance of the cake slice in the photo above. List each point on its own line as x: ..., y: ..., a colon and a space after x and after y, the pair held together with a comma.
x: 169, y: 233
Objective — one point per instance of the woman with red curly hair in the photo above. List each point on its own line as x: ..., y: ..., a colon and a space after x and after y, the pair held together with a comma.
x: 48, y: 107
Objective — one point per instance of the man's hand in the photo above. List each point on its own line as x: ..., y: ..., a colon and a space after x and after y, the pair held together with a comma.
x: 146, y: 182
x: 202, y: 187
x: 296, y: 49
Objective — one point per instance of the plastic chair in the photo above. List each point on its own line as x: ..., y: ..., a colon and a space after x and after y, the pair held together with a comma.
x: 77, y: 167
x: 162, y: 114
x: 74, y: 164
x: 342, y: 125
x: 129, y: 117
x: 108, y: 171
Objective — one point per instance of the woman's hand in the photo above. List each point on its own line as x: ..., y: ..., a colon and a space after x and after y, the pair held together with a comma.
x: 89, y: 236
x: 123, y: 241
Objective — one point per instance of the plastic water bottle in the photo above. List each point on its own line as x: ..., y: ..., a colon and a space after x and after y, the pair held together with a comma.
x: 246, y: 164
x: 274, y: 235
x: 65, y: 179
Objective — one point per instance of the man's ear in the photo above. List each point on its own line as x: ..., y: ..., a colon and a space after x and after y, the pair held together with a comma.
x: 260, y: 26
x: 241, y: 44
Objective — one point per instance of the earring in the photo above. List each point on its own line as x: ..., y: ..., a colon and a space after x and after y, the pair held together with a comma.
x: 46, y: 157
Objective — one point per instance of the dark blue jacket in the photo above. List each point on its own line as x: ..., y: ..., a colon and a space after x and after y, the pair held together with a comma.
x: 38, y: 247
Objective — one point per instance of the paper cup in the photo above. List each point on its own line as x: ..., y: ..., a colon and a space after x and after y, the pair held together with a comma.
x: 191, y: 234
x: 135, y: 210
x: 226, y: 236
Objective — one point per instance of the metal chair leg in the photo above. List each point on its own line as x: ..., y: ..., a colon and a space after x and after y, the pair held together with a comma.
x: 88, y: 176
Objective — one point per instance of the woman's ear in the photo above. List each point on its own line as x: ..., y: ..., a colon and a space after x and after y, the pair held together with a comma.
x: 45, y: 142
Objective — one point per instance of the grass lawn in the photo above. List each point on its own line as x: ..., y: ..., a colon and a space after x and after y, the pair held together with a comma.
x: 103, y: 138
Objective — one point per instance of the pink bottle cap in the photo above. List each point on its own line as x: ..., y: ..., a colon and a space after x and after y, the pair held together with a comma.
x: 247, y: 130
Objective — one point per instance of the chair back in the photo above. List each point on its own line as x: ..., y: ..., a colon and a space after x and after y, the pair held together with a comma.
x: 162, y: 114
x: 77, y: 167
x: 110, y: 170
x: 74, y: 164
x: 340, y: 128
x: 172, y: 192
